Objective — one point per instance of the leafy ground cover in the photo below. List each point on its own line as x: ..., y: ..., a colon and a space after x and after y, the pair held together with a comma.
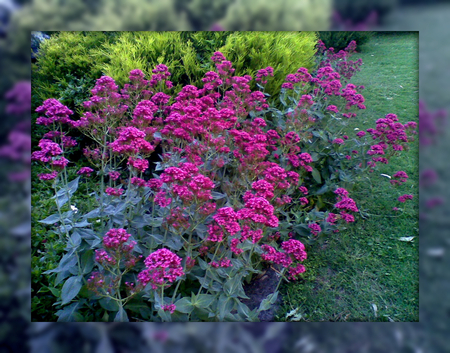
x: 369, y: 272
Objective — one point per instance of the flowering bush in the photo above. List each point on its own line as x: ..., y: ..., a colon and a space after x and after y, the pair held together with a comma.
x: 238, y: 186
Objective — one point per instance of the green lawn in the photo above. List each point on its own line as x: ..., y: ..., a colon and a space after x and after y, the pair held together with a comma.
x: 365, y: 273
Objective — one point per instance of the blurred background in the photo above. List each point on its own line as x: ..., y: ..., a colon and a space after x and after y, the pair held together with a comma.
x: 19, y: 17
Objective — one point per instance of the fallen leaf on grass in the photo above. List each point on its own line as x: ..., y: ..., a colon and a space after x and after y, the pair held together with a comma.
x: 375, y: 309
x: 406, y: 238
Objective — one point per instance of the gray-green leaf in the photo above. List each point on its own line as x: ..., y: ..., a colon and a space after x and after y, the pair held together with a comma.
x: 71, y: 288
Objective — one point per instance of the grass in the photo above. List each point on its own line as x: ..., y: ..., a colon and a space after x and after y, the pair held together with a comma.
x: 365, y: 273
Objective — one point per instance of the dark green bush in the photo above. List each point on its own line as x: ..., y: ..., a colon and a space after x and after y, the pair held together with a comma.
x: 339, y: 40
x: 357, y: 11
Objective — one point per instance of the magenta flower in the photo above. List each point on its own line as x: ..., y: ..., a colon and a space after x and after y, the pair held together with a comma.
x: 163, y: 267
x: 114, y: 192
x: 85, y: 171
x: 169, y: 307
x: 295, y: 248
x: 315, y: 228
x: 403, y: 198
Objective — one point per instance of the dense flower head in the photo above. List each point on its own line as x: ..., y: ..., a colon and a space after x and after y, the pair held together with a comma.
x: 141, y: 165
x: 405, y: 197
x: 233, y: 246
x: 60, y: 163
x: 399, y: 178
x: 132, y: 141
x: 162, y: 200
x: 258, y: 210
x: 115, y: 237
x: 163, y: 267
x: 85, y: 171
x: 315, y: 228
x: 263, y: 73
x: 144, y: 113
x: 272, y: 255
x: 303, y: 201
x: 295, y: 248
x: 48, y: 150
x: 215, y: 233
x: 114, y: 175
x: 169, y: 307
x: 55, y: 112
x: 102, y: 257
x: 114, y: 191
x: 48, y: 176
x: 294, y: 272
x: 361, y: 133
x: 333, y: 109
x: 138, y: 182
x: 338, y: 141
x: 227, y: 218
x: 263, y: 188
x: 154, y: 183
x: 341, y: 191
x: 347, y: 203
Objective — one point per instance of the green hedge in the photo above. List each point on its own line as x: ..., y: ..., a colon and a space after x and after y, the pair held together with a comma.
x: 69, y: 63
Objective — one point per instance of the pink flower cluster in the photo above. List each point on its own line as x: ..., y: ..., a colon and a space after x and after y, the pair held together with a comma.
x: 263, y: 73
x: 55, y: 112
x: 85, y: 171
x: 405, y: 197
x: 390, y: 135
x: 163, y: 267
x: 345, y: 204
x: 294, y: 250
x: 399, y: 178
x: 115, y: 238
x: 258, y: 210
x: 227, y: 218
x: 187, y: 183
x: 114, y: 191
x: 132, y: 141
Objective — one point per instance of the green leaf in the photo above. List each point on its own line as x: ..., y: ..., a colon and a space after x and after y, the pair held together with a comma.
x: 69, y: 313
x: 68, y: 261
x: 233, y: 287
x: 109, y: 304
x: 74, y: 241
x: 87, y: 262
x: 51, y: 219
x: 217, y: 195
x: 121, y: 316
x: 204, y: 301
x: 322, y: 190
x: 71, y: 288
x: 184, y: 305
x: 316, y: 176
x: 81, y: 224
x: 267, y: 303
x: 93, y: 214
x: 225, y: 305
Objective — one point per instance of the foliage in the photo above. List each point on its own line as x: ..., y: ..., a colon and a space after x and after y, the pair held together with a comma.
x: 67, y: 61
x: 238, y: 184
x: 340, y: 39
x: 284, y: 51
x: 359, y: 11
x: 174, y: 15
x: 284, y: 15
